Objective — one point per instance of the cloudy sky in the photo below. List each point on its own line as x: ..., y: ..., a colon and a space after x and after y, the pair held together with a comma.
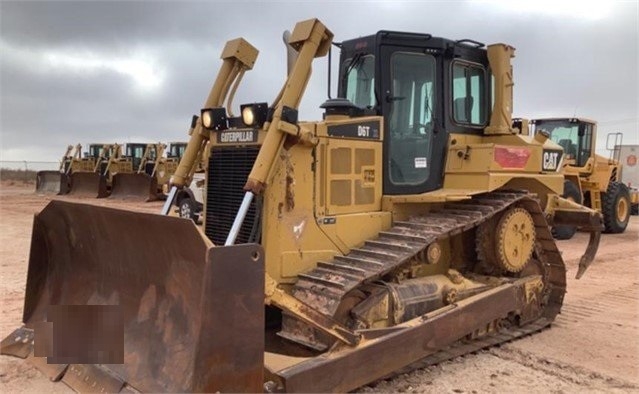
x: 136, y: 71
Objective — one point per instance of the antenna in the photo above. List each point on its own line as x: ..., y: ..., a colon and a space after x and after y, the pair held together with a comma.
x: 330, y: 51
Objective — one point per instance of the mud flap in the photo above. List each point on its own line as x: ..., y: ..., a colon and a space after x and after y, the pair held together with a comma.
x: 193, y: 314
x: 88, y: 184
x: 134, y: 187
x: 49, y: 182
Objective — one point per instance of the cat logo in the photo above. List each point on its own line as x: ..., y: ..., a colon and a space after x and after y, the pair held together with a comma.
x: 550, y: 160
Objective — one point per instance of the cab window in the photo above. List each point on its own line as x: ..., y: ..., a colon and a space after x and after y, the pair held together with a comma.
x: 469, y: 96
x: 359, y: 72
x: 411, y: 117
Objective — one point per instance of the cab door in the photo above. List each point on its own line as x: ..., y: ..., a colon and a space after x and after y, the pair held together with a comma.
x: 414, y: 142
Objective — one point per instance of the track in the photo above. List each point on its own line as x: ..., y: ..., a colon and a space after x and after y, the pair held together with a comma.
x: 326, y: 286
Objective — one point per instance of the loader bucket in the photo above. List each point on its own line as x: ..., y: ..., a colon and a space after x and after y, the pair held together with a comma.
x: 48, y: 182
x: 192, y: 314
x: 88, y: 184
x: 134, y: 187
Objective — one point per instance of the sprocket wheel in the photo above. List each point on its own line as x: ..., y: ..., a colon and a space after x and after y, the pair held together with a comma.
x: 515, y: 240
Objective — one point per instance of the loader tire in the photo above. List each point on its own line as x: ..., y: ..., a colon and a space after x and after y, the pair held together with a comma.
x: 187, y: 209
x: 616, y: 208
x: 571, y: 192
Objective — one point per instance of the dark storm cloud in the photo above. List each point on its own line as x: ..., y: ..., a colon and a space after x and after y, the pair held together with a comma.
x: 563, y: 63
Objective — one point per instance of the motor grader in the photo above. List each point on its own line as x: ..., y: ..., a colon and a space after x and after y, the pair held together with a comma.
x: 591, y: 179
x: 410, y: 225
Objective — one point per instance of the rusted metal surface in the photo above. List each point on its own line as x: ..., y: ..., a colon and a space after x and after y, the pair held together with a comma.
x: 348, y: 368
x: 140, y: 187
x: 19, y: 343
x: 171, y: 296
x: 48, y: 182
x: 90, y: 378
x: 325, y: 287
x: 586, y: 221
x: 88, y: 184
x: 230, y: 354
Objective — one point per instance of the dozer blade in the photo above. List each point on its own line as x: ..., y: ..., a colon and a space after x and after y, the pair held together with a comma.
x: 192, y: 314
x: 134, y: 187
x: 88, y: 184
x: 48, y: 182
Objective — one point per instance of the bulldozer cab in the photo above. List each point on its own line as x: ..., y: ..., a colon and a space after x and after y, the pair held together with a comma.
x: 176, y: 150
x: 135, y: 152
x: 424, y: 87
x: 574, y: 135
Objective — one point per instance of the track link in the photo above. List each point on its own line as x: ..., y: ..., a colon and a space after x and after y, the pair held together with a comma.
x: 325, y: 287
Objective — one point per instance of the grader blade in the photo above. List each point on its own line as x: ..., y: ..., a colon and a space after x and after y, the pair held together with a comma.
x: 88, y: 184
x: 191, y: 315
x: 134, y: 187
x: 48, y: 182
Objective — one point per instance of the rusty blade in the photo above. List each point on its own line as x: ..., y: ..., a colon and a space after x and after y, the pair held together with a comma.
x: 89, y: 378
x: 48, y: 182
x: 150, y: 265
x: 53, y: 371
x: 88, y: 184
x: 19, y: 343
x: 141, y: 187
x: 230, y: 354
x: 192, y: 314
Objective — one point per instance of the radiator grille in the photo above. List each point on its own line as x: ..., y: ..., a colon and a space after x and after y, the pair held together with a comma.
x: 229, y: 168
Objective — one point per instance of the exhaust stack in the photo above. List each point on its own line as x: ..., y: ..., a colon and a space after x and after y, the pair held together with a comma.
x: 499, y: 56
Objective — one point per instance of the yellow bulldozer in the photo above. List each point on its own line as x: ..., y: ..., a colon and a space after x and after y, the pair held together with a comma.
x: 150, y: 171
x: 591, y: 179
x: 58, y: 181
x: 410, y: 225
x: 87, y: 178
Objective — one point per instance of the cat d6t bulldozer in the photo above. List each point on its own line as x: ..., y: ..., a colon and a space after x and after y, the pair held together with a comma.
x: 591, y: 179
x: 410, y: 225
x: 151, y: 171
x: 57, y: 182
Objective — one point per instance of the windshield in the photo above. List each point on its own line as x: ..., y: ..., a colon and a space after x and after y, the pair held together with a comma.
x: 359, y: 74
x: 135, y: 150
x: 177, y: 150
x: 566, y: 134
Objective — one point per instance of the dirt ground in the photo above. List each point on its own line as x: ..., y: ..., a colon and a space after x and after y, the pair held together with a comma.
x: 593, y: 346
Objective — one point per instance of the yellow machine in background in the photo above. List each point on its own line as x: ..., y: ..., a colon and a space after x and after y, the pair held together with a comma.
x: 86, y: 179
x: 591, y: 179
x: 151, y: 170
x: 411, y: 223
x: 58, y: 181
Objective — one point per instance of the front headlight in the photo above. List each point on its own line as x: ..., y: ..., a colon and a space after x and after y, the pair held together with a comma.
x: 214, y: 118
x: 254, y: 115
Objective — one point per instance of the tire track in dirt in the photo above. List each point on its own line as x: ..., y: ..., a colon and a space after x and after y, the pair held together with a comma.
x: 580, y: 376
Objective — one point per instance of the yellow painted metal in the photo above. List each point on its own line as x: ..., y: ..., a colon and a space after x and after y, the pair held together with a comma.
x: 312, y: 39
x: 238, y: 56
x: 499, y: 56
x: 515, y: 239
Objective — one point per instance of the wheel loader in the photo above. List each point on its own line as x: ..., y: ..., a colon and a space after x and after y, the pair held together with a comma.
x: 590, y: 179
x: 57, y: 181
x: 410, y: 225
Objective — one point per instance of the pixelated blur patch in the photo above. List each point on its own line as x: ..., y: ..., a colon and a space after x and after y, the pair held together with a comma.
x: 81, y: 334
